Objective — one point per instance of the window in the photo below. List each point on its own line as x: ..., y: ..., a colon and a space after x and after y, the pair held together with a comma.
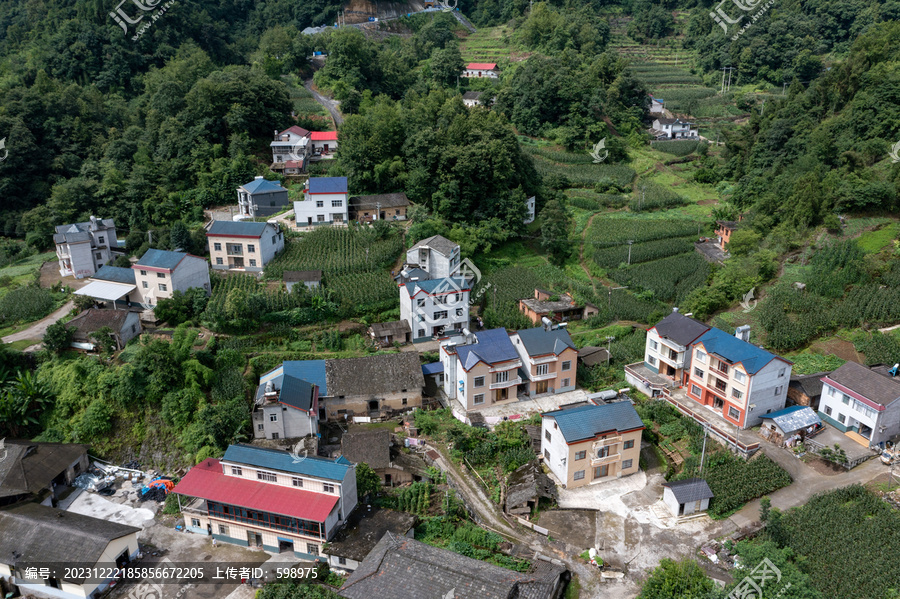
x: 163, y: 287
x: 651, y: 360
x: 827, y: 411
x: 420, y: 333
x: 501, y: 377
x: 236, y: 471
x: 778, y: 390
x: 195, y: 522
x: 459, y: 311
x: 565, y: 382
x: 845, y: 398
x: 328, y: 488
x: 320, y: 218
x: 273, y: 417
x: 99, y: 256
x: 160, y: 275
x: 628, y: 444
x: 721, y: 366
x: 260, y: 427
x: 266, y: 476
x: 145, y: 285
x: 440, y: 315
x: 312, y: 549
x: 223, y: 530
x: 842, y: 418
x: 580, y: 455
x: 252, y: 262
x: 403, y: 401
x: 337, y: 203
x: 274, y: 435
x: 579, y: 475
x: 695, y: 390
x: 781, y: 372
x: 251, y: 248
x: 479, y: 399
x: 601, y: 471
x: 320, y: 204
x: 143, y: 273
x: 626, y: 464
x: 217, y: 247
x: 547, y: 455
x: 273, y: 239
x: 654, y: 345
x: 479, y: 381
x: 420, y: 302
x: 296, y: 481
x: 737, y: 394
x: 603, y: 452
x: 342, y: 560
x: 739, y: 376
x: 542, y: 369
x: 567, y: 365
x: 733, y: 413
x: 101, y: 239
x: 701, y: 357
x: 698, y: 373
x: 220, y: 261
x: 547, y: 435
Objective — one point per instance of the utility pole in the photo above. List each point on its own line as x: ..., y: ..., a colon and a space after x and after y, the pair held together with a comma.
x: 377, y: 210
x: 630, y: 242
x: 722, y: 89
x: 763, y: 107
x: 730, y: 69
x: 783, y: 87
x: 150, y: 238
x: 609, y: 341
x: 703, y: 453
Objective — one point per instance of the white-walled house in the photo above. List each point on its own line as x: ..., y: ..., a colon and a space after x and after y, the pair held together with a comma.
x: 83, y: 248
x: 290, y: 145
x: 667, y: 128
x: 863, y: 401
x: 325, y: 201
x: 687, y: 497
x: 159, y: 273
x: 435, y: 307
x: 436, y: 255
x: 261, y: 197
x: 243, y: 245
x: 529, y: 210
x: 324, y: 143
x: 482, y: 370
x: 481, y: 69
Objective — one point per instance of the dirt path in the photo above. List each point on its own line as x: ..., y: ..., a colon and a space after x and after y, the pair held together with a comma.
x: 331, y: 105
x: 37, y: 330
x: 581, y: 251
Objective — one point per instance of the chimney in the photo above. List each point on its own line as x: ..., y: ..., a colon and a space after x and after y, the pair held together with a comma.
x: 93, y: 223
x: 743, y: 333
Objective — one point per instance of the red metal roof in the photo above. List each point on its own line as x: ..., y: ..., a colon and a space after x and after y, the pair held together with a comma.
x: 207, y: 481
x: 296, y: 131
x: 324, y: 136
x: 293, y: 164
x: 482, y: 66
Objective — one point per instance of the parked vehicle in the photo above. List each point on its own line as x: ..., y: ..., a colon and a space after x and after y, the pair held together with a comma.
x: 888, y: 457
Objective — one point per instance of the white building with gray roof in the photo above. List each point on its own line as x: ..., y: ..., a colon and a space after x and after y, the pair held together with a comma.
x: 82, y: 248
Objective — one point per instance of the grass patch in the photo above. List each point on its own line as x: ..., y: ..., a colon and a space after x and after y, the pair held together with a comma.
x: 873, y: 242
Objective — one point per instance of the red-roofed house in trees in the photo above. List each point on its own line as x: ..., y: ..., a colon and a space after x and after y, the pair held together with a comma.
x: 482, y: 69
x: 324, y: 143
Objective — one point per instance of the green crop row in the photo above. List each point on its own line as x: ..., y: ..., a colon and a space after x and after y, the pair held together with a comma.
x: 613, y: 231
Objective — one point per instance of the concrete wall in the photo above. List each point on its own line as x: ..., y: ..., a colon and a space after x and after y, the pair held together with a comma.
x: 131, y: 329
x: 307, y: 212
x: 566, y: 471
x: 290, y: 423
x: 689, y: 508
x: 80, y: 259
x: 264, y: 249
x: 436, y: 264
x: 192, y: 272
x: 832, y: 399
x: 768, y: 391
x: 358, y: 405
x: 457, y: 308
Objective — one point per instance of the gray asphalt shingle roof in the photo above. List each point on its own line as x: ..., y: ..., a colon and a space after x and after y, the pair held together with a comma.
x: 114, y: 274
x: 539, y: 342
x: 244, y: 227
x: 690, y: 490
x: 438, y: 243
x: 681, y: 329
x: 161, y: 259
x: 870, y: 384
x: 493, y: 346
x: 586, y: 422
x: 30, y: 466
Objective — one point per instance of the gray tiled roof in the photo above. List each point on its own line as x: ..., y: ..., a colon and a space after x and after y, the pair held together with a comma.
x: 539, y: 342
x: 386, y: 200
x: 689, y: 490
x: 586, y: 422
x: 370, y: 446
x: 161, y: 259
x: 244, y: 227
x: 41, y: 534
x: 472, y: 95
x: 809, y: 384
x: 30, y: 466
x: 438, y: 243
x: 77, y: 232
x: 114, y: 274
x: 681, y: 329
x: 372, y: 375
x: 871, y: 384
x: 389, y: 329
x: 402, y: 568
x: 93, y: 319
x: 297, y: 276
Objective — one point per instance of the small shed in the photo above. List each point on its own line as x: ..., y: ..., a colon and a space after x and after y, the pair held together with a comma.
x: 527, y: 485
x: 386, y: 334
x: 806, y: 389
x: 434, y: 377
x: 790, y: 424
x: 686, y: 497
x: 311, y: 278
x: 591, y: 356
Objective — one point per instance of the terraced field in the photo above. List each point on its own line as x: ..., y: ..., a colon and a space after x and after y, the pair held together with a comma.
x: 486, y: 45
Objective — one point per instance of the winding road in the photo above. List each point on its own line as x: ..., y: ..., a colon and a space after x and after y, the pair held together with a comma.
x: 36, y: 331
x: 331, y: 105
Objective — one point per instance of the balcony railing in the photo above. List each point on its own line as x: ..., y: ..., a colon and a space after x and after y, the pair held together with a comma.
x: 509, y: 383
x: 506, y: 366
x: 717, y: 371
x: 234, y: 250
x: 543, y: 377
x: 674, y: 363
x: 600, y: 443
x: 613, y: 457
x: 544, y: 360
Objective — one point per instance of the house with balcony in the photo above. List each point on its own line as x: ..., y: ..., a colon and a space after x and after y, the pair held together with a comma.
x: 290, y: 150
x: 435, y: 307
x: 673, y: 128
x: 286, y: 407
x: 667, y: 354
x: 588, y: 444
x: 482, y: 369
x: 83, y: 248
x: 325, y: 201
x: 324, y: 143
x: 549, y: 359
x: 862, y: 402
x: 736, y: 379
x: 436, y: 256
x: 269, y: 499
x: 160, y: 273
x: 244, y: 246
x: 261, y: 197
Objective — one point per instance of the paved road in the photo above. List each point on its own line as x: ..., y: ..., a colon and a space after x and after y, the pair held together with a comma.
x: 331, y: 105
x: 37, y: 330
x: 807, y: 482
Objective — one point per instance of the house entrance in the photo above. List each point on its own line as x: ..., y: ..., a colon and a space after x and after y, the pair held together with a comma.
x: 285, y: 546
x: 501, y: 394
x: 541, y: 386
x: 254, y: 539
x: 718, y: 403
x: 123, y: 559
x: 238, y: 263
x: 373, y: 405
x: 670, y: 370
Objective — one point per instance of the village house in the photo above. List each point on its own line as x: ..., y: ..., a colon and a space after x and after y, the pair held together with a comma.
x: 374, y: 447
x: 435, y: 307
x: 724, y: 230
x: 385, y: 206
x: 83, y: 248
x: 471, y: 99
x: 437, y: 256
x: 481, y: 69
x: 786, y: 426
x: 269, y: 499
x: 243, y: 245
x: 806, y: 389
x: 286, y: 407
x: 160, y: 273
x: 558, y: 307
x: 687, y: 497
x: 378, y: 386
x: 592, y: 356
x: 863, y: 403
x: 591, y: 443
x: 42, y: 535
x: 434, y: 378
x: 124, y: 325
x: 403, y: 568
x: 657, y: 106
x: 353, y: 543
x: 324, y: 202
x: 673, y: 128
x: 549, y: 359
x: 736, y: 378
x: 482, y: 369
x: 35, y: 471
x: 312, y: 279
x: 290, y: 150
x: 529, y: 210
x: 261, y: 197
x: 113, y: 284
x: 385, y: 334
x: 526, y: 486
x: 324, y: 143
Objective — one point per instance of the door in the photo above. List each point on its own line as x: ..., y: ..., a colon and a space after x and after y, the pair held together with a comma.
x: 324, y: 148
x: 540, y: 387
x: 254, y: 539
x: 285, y: 546
x: 309, y: 220
x: 501, y: 394
x: 681, y: 509
x: 387, y: 480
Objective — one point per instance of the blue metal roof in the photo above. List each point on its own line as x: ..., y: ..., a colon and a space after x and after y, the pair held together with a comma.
x: 312, y: 371
x: 115, y: 274
x: 794, y: 418
x: 161, y: 259
x: 492, y: 346
x: 539, y: 342
x: 328, y: 185
x: 586, y: 422
x: 433, y: 368
x: 244, y: 227
x: 434, y: 286
x: 262, y: 186
x: 277, y: 459
x: 735, y: 350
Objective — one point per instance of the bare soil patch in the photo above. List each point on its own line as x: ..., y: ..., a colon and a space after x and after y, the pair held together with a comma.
x: 840, y: 348
x: 824, y: 468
